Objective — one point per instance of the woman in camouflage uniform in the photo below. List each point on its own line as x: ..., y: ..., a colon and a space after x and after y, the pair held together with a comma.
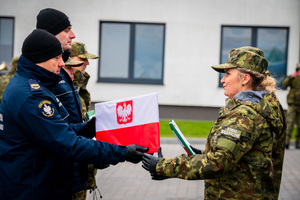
x: 244, y: 152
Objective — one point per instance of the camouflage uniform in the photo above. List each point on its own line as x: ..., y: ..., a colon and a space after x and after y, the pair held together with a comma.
x: 243, y: 154
x: 80, y: 81
x: 293, y: 112
x: 4, y: 80
x: 244, y: 151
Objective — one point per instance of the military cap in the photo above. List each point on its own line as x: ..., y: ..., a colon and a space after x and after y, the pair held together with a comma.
x: 73, y: 63
x: 245, y: 57
x: 78, y: 49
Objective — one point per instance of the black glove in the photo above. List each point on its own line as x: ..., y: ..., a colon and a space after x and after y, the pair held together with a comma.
x: 150, y: 162
x: 135, y: 153
x: 89, y: 128
x: 197, y: 151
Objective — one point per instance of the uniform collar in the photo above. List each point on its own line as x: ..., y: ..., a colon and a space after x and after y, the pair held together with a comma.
x: 30, y: 70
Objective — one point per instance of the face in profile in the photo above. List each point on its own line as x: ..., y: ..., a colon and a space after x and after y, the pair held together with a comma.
x: 231, y: 83
x: 84, y: 65
x: 70, y: 71
x: 65, y: 37
x: 53, y: 65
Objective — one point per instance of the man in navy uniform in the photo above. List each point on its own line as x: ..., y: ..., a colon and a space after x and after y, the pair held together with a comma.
x: 37, y: 145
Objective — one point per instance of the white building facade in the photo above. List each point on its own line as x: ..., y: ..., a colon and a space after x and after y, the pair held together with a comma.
x: 192, y: 35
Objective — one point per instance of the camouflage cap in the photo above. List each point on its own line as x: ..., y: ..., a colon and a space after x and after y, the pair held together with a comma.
x: 73, y: 63
x: 79, y: 49
x: 245, y: 57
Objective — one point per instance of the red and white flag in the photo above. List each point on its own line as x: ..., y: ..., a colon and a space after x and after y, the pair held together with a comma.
x: 129, y: 121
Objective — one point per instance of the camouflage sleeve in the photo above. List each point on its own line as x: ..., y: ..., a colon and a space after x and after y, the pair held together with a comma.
x: 286, y: 82
x: 199, y: 166
x: 239, y: 131
x: 83, y: 107
x: 227, y: 145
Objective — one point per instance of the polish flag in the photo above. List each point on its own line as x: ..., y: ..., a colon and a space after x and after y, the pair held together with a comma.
x: 129, y: 121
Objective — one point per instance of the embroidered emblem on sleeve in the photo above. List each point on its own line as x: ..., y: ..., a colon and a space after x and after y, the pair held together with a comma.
x: 46, y: 108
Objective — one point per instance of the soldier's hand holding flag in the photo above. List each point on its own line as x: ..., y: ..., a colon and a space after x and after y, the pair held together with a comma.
x: 197, y: 151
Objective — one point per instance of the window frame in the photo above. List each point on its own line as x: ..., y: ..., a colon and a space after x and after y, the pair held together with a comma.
x: 13, y: 41
x: 254, y: 40
x: 131, y: 78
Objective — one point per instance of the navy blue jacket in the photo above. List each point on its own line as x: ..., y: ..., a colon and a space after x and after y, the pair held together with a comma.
x: 68, y: 95
x: 37, y: 146
x: 66, y: 92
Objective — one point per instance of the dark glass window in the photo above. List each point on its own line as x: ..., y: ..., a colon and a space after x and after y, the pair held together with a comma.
x: 6, y: 39
x: 272, y: 40
x: 131, y: 52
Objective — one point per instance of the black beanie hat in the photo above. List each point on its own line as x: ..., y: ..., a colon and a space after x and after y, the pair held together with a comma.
x: 53, y: 21
x: 40, y: 46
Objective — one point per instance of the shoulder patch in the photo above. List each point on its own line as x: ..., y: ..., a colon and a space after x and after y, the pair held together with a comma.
x: 46, y: 108
x: 231, y: 132
x: 34, y: 85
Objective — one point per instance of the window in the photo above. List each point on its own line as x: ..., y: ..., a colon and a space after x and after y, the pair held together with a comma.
x: 131, y: 52
x: 272, y: 40
x: 6, y: 39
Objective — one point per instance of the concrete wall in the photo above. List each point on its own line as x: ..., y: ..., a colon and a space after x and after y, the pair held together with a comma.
x: 192, y: 42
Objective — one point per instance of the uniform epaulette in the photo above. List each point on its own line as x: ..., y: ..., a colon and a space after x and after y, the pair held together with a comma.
x: 34, y: 85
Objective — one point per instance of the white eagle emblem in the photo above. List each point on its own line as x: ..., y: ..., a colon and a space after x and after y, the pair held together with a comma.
x: 47, y: 109
x: 124, y: 113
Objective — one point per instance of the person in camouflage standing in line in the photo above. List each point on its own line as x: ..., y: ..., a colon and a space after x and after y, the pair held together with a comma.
x: 244, y: 152
x: 293, y: 100
x: 4, y: 80
x: 69, y: 64
x: 81, y: 78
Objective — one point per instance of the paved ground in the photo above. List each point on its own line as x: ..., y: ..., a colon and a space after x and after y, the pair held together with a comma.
x: 128, y: 181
